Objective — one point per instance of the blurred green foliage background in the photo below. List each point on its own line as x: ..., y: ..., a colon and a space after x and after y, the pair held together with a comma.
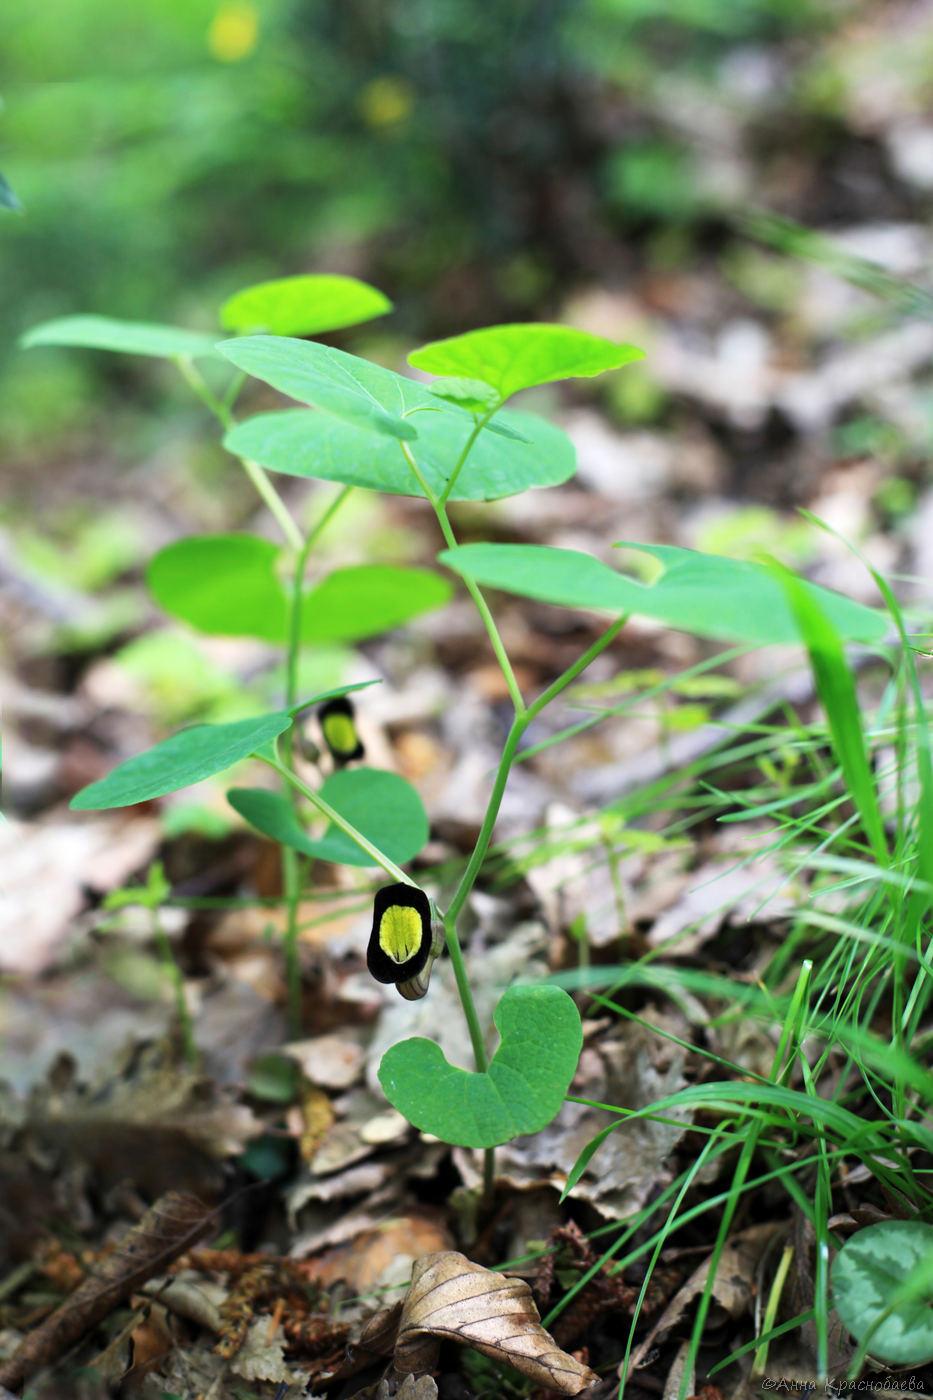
x: 469, y: 158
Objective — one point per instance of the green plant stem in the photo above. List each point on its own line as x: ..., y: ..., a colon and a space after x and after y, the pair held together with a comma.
x: 173, y: 973
x: 257, y: 475
x: 296, y: 607
x: 292, y: 864
x: 291, y: 861
x: 273, y: 500
x: 519, y: 725
x: 328, y: 811
x: 468, y: 879
x: 523, y: 717
x: 222, y: 408
x: 474, y: 592
x: 478, y: 426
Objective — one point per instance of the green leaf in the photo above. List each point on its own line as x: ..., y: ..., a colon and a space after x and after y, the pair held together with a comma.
x: 836, y: 689
x: 523, y: 1088
x: 477, y: 398
x: 179, y: 761
x: 471, y: 394
x: 867, y: 1275
x: 299, y: 443
x: 341, y: 385
x: 365, y: 600
x: 510, y: 358
x: 382, y: 806
x: 303, y: 305
x: 124, y: 337
x: 225, y: 585
x: 274, y: 1077
x: 230, y: 585
x: 332, y: 694
x: 700, y: 593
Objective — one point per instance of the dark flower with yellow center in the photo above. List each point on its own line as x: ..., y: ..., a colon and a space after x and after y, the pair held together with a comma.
x: 406, y: 938
x: 338, y: 727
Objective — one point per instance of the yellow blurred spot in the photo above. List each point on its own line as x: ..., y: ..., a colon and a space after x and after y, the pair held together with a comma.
x: 400, y: 932
x: 386, y: 101
x: 233, y: 31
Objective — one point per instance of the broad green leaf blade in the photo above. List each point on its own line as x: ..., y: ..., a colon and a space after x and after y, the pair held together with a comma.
x: 700, y: 593
x: 382, y: 806
x: 299, y: 443
x: 124, y: 337
x: 522, y: 1090
x: 332, y: 694
x: 868, y: 1273
x: 225, y: 585
x: 230, y: 586
x: 272, y: 814
x: 368, y: 599
x: 303, y: 305
x: 343, y: 386
x: 836, y: 690
x: 183, y: 759
x: 510, y: 358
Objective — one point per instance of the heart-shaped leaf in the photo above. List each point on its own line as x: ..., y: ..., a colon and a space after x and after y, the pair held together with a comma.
x: 124, y: 337
x: 299, y: 443
x: 307, y: 305
x: 700, y: 593
x: 338, y: 384
x: 230, y: 585
x: 179, y: 761
x: 868, y: 1272
x: 523, y: 1088
x: 381, y: 806
x: 510, y: 358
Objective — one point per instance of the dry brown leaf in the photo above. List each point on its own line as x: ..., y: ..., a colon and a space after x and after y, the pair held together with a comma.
x: 147, y: 1118
x: 168, y: 1228
x: 376, y: 1342
x: 382, y: 1257
x: 453, y: 1299
x: 733, y: 1287
x: 261, y: 1358
x: 424, y: 1388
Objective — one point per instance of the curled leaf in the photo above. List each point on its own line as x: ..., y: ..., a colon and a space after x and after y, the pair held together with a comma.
x: 453, y: 1299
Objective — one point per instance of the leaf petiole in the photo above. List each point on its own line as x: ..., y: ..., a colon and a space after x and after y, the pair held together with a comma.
x: 334, y: 816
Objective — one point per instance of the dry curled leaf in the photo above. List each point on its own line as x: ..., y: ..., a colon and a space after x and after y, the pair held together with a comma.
x: 453, y: 1299
x: 168, y: 1228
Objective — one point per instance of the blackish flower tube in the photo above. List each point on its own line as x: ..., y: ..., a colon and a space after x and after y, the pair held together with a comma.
x: 406, y: 938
